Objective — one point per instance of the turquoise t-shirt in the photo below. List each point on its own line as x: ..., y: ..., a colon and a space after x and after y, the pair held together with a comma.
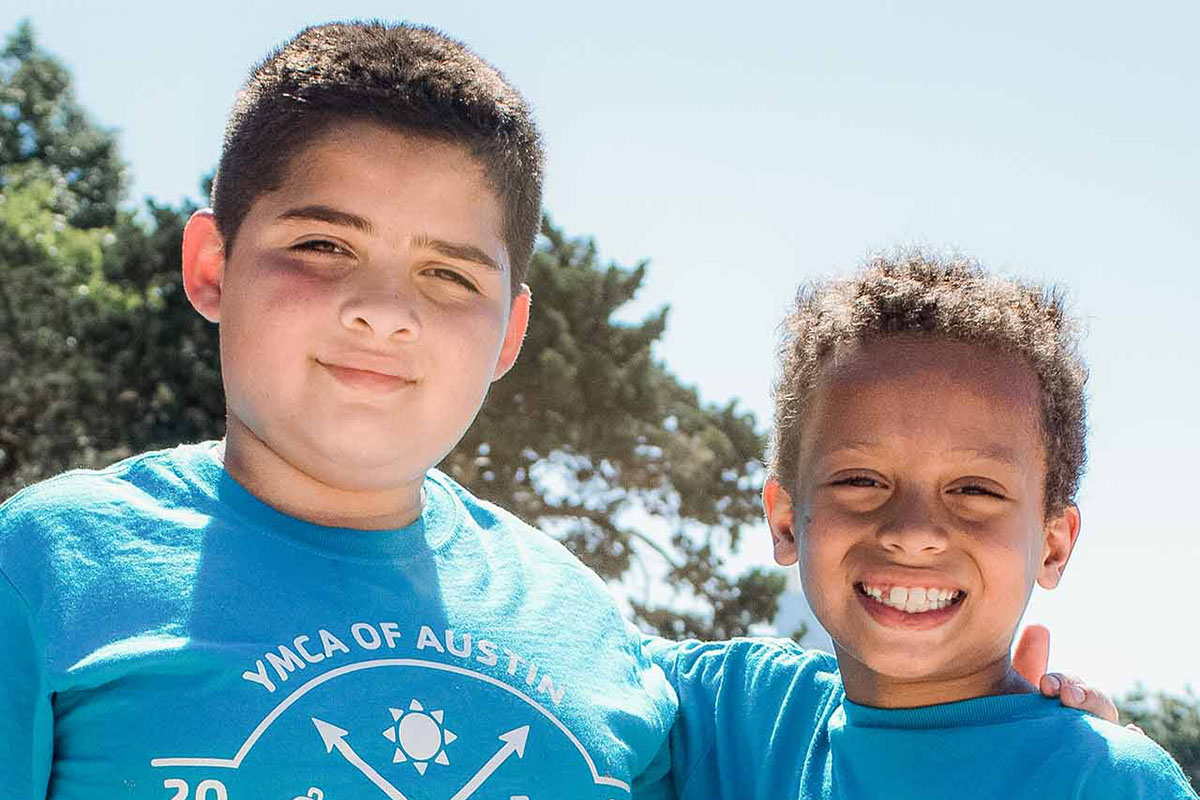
x: 767, y: 720
x: 168, y: 636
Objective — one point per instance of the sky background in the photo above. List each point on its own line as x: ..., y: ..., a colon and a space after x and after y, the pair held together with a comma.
x: 743, y: 148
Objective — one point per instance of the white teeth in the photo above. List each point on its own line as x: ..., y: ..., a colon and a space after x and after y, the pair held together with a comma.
x: 916, y: 601
x: 912, y: 600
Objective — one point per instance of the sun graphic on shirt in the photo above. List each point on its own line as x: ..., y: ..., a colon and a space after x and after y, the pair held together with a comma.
x: 419, y: 736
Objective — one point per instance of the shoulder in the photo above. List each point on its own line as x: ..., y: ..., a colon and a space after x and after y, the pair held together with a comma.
x: 518, y: 537
x: 745, y: 661
x: 74, y: 510
x: 738, y: 700
x: 1121, y: 763
x: 80, y: 488
x: 715, y: 678
x: 535, y: 565
x: 481, y: 512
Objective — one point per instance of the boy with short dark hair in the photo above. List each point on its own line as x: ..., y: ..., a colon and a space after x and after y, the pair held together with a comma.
x: 928, y: 442
x: 307, y: 608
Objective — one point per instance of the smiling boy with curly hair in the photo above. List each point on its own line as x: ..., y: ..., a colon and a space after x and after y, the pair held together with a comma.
x: 928, y: 443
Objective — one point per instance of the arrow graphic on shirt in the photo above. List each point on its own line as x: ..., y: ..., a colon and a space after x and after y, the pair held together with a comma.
x: 514, y: 742
x: 335, y: 739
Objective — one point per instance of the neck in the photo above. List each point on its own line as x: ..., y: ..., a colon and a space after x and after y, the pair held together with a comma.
x: 299, y: 493
x: 869, y: 688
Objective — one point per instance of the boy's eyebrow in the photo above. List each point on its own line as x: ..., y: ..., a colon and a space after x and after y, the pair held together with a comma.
x: 988, y: 452
x: 992, y: 453
x: 331, y: 215
x: 457, y: 250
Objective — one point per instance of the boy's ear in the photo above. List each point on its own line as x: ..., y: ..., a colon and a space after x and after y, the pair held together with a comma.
x: 1060, y: 535
x: 777, y: 504
x: 514, y: 334
x: 203, y: 264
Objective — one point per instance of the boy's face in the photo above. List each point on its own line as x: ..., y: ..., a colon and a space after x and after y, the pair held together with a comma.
x: 918, y: 522
x: 365, y: 307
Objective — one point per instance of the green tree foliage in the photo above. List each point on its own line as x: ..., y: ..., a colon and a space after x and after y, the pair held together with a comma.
x: 49, y: 271
x: 1171, y: 720
x: 589, y: 436
x: 100, y: 356
x: 42, y: 127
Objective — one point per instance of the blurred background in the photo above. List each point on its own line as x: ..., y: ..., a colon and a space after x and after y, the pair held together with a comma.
x: 703, y: 161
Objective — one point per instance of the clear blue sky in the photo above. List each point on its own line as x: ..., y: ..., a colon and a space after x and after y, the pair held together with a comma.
x: 744, y: 147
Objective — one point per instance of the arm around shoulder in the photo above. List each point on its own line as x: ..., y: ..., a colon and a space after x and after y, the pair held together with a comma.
x: 730, y: 704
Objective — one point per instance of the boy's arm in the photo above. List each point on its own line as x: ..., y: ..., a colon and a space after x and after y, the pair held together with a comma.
x: 745, y: 706
x: 655, y: 781
x: 26, y: 730
x: 692, y: 729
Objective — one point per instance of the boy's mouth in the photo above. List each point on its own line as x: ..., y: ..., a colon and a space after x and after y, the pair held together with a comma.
x: 376, y: 377
x: 911, y: 599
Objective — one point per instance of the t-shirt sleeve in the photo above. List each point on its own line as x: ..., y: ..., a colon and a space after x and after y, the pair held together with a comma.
x: 730, y: 705
x: 692, y: 668
x: 746, y: 707
x: 1137, y: 769
x: 655, y: 781
x: 26, y: 733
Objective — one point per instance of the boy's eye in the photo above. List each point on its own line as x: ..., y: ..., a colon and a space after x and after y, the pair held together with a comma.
x: 858, y: 481
x: 452, y: 276
x: 978, y: 490
x: 323, y: 246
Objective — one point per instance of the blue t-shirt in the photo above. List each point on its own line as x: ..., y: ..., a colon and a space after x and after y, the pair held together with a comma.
x: 766, y: 719
x: 168, y: 636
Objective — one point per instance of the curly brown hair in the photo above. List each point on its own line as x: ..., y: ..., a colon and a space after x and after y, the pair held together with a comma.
x: 945, y: 298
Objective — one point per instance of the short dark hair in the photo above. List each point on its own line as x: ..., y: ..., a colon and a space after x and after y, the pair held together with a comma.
x: 413, y: 79
x: 914, y: 292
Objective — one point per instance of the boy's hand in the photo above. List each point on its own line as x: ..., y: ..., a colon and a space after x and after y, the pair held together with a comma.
x: 1030, y: 660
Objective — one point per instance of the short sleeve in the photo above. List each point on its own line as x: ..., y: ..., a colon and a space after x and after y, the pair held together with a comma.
x: 26, y: 731
x: 692, y: 734
x: 654, y: 781
x: 1136, y: 768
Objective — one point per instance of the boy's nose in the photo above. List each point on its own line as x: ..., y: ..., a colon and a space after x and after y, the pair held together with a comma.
x: 385, y: 310
x: 913, y: 527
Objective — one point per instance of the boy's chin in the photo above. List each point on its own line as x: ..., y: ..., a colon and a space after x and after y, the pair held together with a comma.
x: 352, y: 468
x: 373, y: 476
x: 914, y: 664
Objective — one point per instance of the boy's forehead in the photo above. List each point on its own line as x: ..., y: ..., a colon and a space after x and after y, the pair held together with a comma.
x: 344, y: 142
x: 919, y: 359
x: 961, y: 395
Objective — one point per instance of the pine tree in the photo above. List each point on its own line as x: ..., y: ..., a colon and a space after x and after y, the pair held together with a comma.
x: 593, y: 439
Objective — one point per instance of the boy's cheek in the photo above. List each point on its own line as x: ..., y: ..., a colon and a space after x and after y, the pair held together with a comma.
x: 821, y: 572
x: 278, y: 289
